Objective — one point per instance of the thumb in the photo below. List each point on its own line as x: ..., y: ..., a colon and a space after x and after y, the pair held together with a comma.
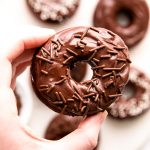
x: 85, y: 137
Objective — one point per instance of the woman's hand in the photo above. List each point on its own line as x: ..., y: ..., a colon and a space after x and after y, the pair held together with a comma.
x: 16, y: 51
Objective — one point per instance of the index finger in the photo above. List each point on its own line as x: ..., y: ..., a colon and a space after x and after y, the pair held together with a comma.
x: 16, y: 41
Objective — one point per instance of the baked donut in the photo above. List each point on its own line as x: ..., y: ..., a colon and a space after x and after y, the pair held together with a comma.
x: 136, y: 12
x: 78, y: 71
x: 53, y: 10
x: 139, y: 100
x: 50, y: 70
x: 61, y: 126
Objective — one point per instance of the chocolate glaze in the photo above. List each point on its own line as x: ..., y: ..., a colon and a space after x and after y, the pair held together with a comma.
x: 53, y: 10
x: 61, y: 126
x: 136, y: 104
x: 50, y: 70
x: 137, y: 11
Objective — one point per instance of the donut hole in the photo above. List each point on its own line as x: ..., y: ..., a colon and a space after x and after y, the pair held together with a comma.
x: 129, y: 91
x: 81, y: 71
x: 125, y: 17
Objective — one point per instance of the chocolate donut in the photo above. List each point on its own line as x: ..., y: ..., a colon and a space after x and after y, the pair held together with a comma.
x: 138, y: 102
x: 78, y: 71
x: 54, y: 10
x: 50, y: 70
x: 136, y: 12
x: 61, y: 126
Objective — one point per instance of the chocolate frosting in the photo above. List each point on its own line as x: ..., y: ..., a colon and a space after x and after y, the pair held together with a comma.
x: 103, y: 50
x: 107, y: 12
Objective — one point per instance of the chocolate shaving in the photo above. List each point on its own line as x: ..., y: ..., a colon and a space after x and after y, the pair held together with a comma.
x: 46, y: 51
x: 106, y: 56
x: 67, y: 60
x: 94, y: 29
x: 44, y: 86
x: 77, y: 35
x: 71, y: 51
x: 44, y: 59
x: 111, y: 33
x: 91, y: 57
x: 57, y: 95
x: 111, y: 69
x: 89, y: 95
x: 97, y: 48
x: 96, y: 97
x: 97, y: 74
x: 112, y: 52
x: 60, y: 42
x: 60, y: 81
x: 114, y: 95
x: 44, y: 72
x: 62, y: 97
x: 82, y: 42
x: 106, y: 75
x: 121, y: 59
x: 43, y: 89
x: 96, y: 60
x: 65, y: 55
x: 84, y: 34
x: 88, y: 89
x: 70, y: 100
x: 98, y: 67
x: 83, y: 109
x: 50, y: 89
x: 119, y: 48
x: 79, y: 97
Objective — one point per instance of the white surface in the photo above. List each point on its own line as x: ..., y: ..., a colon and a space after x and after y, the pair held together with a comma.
x: 116, y: 135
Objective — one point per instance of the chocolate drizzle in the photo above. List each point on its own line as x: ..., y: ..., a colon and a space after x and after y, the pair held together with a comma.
x: 59, y: 91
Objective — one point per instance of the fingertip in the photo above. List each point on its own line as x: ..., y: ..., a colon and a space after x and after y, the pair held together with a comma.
x: 94, y: 120
x: 40, y: 31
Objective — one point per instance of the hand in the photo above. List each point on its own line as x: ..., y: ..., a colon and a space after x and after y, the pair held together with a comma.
x: 15, y: 54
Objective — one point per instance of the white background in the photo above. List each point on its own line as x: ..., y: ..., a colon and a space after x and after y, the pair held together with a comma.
x: 115, y: 134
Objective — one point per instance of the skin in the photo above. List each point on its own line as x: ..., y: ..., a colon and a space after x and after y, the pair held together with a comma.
x: 17, y: 48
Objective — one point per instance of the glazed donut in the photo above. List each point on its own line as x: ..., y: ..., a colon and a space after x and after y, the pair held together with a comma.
x: 50, y: 70
x: 62, y: 125
x: 53, y: 10
x: 78, y: 71
x: 136, y: 11
x: 138, y: 102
